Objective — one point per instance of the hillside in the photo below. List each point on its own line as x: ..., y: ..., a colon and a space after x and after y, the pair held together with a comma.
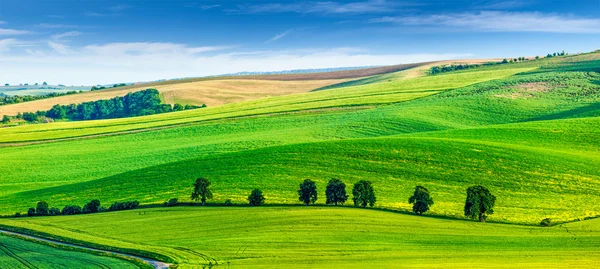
x: 327, y: 237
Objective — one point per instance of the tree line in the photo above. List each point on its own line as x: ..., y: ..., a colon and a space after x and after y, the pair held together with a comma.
x: 15, y: 99
x: 141, y: 103
x: 42, y: 208
x: 98, y: 87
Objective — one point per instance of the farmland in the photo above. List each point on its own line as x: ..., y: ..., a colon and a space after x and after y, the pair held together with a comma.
x: 327, y: 237
x: 17, y: 253
x: 496, y: 126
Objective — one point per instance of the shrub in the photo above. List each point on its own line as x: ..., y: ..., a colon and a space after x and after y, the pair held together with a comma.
x: 171, y: 202
x: 54, y: 211
x: 92, y: 206
x: 228, y: 202
x: 18, y: 214
x: 546, y: 222
x: 31, y: 212
x: 123, y: 206
x: 256, y: 198
x: 71, y: 210
x: 41, y: 209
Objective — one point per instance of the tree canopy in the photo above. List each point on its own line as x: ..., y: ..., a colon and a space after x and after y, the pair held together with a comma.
x: 336, y: 192
x: 307, y: 192
x: 480, y: 203
x: 256, y: 198
x: 201, y: 190
x: 421, y: 200
x: 363, y: 194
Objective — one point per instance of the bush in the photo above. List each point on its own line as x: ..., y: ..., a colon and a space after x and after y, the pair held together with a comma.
x: 123, y: 206
x: 256, y: 198
x: 31, y: 212
x: 228, y: 202
x: 30, y: 117
x: 18, y: 214
x: 54, y: 211
x: 92, y: 206
x: 71, y: 210
x: 171, y: 202
x: 546, y: 222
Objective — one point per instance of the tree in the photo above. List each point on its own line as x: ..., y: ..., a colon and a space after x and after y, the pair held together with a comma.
x: 54, y: 211
x: 178, y: 107
x: 30, y: 117
x: 5, y: 119
x: 421, y: 200
x: 45, y: 84
x: 363, y: 194
x: 505, y: 61
x: 41, y: 209
x: 6, y: 84
x: 537, y: 57
x: 201, y: 190
x: 480, y: 203
x: 256, y: 198
x: 336, y: 192
x: 31, y: 212
x: 307, y: 192
x: 92, y: 207
x: 57, y: 112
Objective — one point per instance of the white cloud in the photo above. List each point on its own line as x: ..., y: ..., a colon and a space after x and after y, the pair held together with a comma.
x: 56, y: 25
x: 4, y: 31
x: 6, y: 44
x: 2, y: 22
x: 279, y: 36
x: 499, y: 21
x: 130, y: 62
x: 325, y: 7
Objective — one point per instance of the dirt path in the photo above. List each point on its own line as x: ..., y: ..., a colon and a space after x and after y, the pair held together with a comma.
x: 156, y: 264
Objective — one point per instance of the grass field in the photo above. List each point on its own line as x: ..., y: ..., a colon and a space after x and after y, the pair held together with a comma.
x: 328, y: 237
x: 16, y: 253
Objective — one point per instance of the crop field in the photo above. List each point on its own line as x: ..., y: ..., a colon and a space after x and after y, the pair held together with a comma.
x: 16, y: 253
x: 327, y: 237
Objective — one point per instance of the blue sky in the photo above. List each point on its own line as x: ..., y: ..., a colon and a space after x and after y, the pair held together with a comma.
x: 90, y: 42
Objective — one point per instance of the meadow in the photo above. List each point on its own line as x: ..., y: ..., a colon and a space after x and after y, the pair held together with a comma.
x: 326, y: 237
x: 16, y: 253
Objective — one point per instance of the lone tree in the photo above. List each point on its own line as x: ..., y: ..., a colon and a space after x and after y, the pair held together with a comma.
x: 256, y: 198
x: 41, y: 209
x: 92, y: 207
x: 5, y: 119
x: 363, y: 194
x: 201, y: 190
x: 336, y: 192
x: 480, y: 203
x: 421, y: 200
x: 307, y: 192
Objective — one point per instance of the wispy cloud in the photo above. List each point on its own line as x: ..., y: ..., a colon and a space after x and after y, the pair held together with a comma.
x: 328, y: 7
x: 2, y: 22
x: 279, y: 36
x: 147, y: 48
x: 501, y: 5
x: 60, y: 48
x: 65, y: 35
x: 12, y: 32
x: 56, y: 25
x: 9, y: 43
x: 500, y: 21
x: 119, y: 8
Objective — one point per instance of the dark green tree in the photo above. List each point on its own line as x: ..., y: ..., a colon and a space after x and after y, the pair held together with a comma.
x: 178, y: 107
x: 307, y: 192
x: 5, y: 119
x: 57, y: 112
x: 45, y: 84
x: 336, y: 192
x: 201, y: 190
x: 92, y: 207
x: 256, y: 198
x: 54, y: 211
x: 480, y: 203
x: 421, y: 200
x: 71, y: 210
x: 505, y: 61
x: 31, y: 212
x: 363, y: 194
x: 41, y: 208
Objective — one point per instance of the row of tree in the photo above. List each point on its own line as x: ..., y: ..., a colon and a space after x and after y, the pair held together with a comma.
x: 479, y: 202
x: 99, y: 87
x: 42, y: 208
x: 15, y: 99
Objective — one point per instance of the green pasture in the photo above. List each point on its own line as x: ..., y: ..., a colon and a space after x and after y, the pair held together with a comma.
x: 327, y: 237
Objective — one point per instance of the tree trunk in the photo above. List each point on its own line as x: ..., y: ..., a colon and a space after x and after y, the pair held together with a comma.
x: 481, y: 219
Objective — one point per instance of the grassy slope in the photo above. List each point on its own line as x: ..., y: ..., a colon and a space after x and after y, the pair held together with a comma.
x: 17, y: 253
x: 481, y: 105
x: 328, y: 237
x: 371, y: 94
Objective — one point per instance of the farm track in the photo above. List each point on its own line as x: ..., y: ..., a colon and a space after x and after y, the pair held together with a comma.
x: 141, y: 130
x: 154, y: 263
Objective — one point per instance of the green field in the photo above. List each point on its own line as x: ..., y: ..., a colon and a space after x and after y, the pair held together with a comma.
x: 528, y: 132
x: 328, y: 237
x: 16, y: 253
